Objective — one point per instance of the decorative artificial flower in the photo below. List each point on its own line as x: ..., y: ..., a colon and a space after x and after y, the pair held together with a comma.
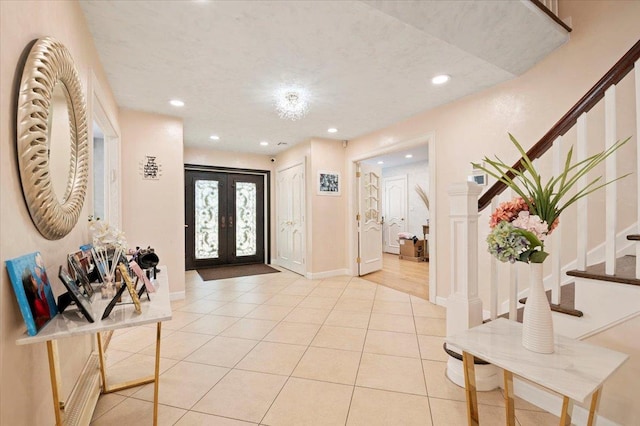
x: 512, y: 221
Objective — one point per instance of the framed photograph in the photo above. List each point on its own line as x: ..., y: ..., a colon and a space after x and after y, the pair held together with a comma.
x: 132, y: 290
x: 328, y: 183
x: 33, y: 291
x: 81, y: 301
x: 78, y: 270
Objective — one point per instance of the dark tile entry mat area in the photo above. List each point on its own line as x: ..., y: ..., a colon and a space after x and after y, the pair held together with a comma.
x: 222, y: 272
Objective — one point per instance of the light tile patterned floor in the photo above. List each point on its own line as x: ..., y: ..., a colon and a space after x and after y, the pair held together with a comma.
x: 279, y: 350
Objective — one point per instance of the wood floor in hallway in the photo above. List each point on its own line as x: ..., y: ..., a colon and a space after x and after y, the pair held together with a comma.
x: 403, y: 275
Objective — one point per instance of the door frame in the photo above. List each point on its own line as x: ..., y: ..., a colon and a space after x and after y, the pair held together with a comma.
x: 267, y: 198
x: 352, y: 230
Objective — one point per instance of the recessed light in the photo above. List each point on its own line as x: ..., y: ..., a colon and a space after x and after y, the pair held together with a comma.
x: 440, y: 79
x: 176, y: 103
x: 408, y: 156
x: 214, y: 137
x: 380, y: 162
x: 332, y: 130
x: 264, y: 143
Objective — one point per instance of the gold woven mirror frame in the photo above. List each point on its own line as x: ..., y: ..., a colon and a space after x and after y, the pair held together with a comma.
x: 49, y: 62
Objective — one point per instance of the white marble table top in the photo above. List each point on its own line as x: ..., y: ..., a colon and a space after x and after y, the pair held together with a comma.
x: 72, y: 323
x: 576, y: 369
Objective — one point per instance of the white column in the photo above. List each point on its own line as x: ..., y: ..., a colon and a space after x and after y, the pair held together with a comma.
x: 464, y: 307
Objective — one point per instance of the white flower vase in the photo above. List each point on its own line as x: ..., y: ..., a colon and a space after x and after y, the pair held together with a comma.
x: 537, y: 324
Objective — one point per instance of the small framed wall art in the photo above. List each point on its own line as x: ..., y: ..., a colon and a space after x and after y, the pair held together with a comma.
x: 328, y: 183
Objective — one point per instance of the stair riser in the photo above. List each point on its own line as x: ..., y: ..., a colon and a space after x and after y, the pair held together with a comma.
x: 604, y: 305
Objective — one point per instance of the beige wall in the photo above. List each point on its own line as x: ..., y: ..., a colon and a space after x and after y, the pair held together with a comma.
x: 25, y: 392
x: 527, y: 106
x: 153, y: 210
x: 328, y: 216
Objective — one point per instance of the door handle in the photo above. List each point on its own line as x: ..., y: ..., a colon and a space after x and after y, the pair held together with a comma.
x: 222, y: 222
x: 230, y: 221
x: 186, y: 226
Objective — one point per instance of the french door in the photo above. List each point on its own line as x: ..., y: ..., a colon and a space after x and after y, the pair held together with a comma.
x: 224, y: 218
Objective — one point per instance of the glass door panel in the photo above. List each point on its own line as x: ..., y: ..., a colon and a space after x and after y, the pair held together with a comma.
x: 246, y: 223
x: 206, y: 219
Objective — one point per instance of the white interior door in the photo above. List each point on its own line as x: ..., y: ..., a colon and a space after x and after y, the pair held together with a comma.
x: 370, y: 219
x: 394, y: 211
x: 290, y: 196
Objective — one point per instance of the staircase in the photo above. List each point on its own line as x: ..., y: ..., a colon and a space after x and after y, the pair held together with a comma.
x: 593, y: 271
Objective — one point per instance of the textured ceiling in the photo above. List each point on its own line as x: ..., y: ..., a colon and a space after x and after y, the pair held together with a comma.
x: 365, y: 64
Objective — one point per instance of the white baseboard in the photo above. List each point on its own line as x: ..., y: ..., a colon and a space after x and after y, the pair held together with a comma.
x: 177, y: 295
x: 441, y: 301
x: 327, y: 274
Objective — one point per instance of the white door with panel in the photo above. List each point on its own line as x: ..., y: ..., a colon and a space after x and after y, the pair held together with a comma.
x: 290, y: 195
x: 394, y: 211
x: 369, y: 219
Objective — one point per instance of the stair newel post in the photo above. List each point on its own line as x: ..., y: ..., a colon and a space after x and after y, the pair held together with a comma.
x: 556, y: 236
x: 636, y: 71
x: 611, y: 173
x: 464, y: 307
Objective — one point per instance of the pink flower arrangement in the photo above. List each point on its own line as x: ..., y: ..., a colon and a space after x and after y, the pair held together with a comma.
x: 508, y: 211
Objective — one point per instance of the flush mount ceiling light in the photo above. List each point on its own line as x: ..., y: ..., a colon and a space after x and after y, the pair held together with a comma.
x: 264, y: 143
x: 440, y: 79
x: 292, y: 103
x: 332, y: 130
x: 408, y: 156
x: 380, y: 162
x: 176, y: 103
x: 214, y: 137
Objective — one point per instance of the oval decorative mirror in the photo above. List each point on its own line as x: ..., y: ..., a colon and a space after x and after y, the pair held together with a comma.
x: 53, y: 153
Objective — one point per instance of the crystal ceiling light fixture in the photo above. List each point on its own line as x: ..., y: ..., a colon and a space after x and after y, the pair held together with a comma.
x: 292, y: 103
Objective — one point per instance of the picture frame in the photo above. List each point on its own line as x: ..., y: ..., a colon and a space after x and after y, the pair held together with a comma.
x: 73, y: 291
x: 78, y: 271
x: 132, y: 290
x: 329, y: 183
x: 33, y: 291
x: 141, y: 276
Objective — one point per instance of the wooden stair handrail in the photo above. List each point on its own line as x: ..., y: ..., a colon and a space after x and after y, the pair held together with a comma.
x: 588, y: 101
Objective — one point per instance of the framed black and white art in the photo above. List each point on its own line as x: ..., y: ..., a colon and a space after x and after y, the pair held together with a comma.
x: 328, y: 183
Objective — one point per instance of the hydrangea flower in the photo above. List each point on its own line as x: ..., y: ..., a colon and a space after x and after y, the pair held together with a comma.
x: 506, y: 244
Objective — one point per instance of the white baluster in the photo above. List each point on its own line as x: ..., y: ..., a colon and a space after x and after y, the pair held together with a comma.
x: 513, y: 283
x: 637, y: 78
x: 493, y: 303
x: 610, y: 174
x: 513, y: 291
x: 581, y: 204
x: 556, y: 236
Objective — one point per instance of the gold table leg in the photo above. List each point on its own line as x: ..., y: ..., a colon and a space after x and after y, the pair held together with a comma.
x: 106, y: 388
x: 565, y: 414
x: 595, y: 402
x: 52, y: 355
x: 470, y: 389
x: 509, y: 398
x: 156, y: 377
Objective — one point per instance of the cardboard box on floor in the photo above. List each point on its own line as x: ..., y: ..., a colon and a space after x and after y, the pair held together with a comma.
x: 409, y: 249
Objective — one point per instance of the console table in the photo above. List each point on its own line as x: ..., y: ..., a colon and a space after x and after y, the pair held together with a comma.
x: 575, y: 370
x: 69, y: 323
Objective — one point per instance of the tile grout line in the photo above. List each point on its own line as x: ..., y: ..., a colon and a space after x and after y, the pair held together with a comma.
x: 426, y: 388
